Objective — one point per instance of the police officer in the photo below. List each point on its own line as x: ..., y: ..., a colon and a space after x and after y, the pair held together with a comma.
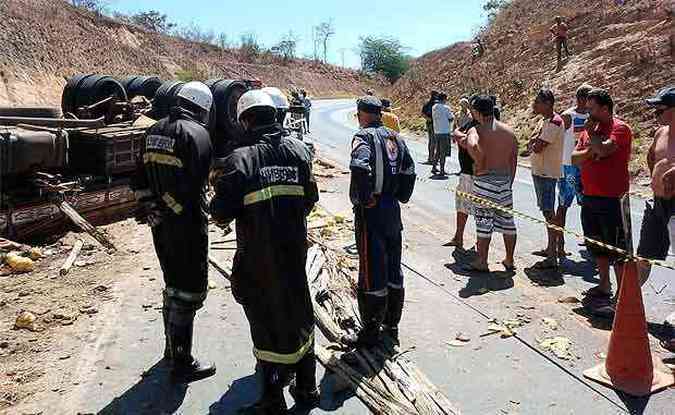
x: 268, y: 187
x: 170, y: 189
x: 382, y: 176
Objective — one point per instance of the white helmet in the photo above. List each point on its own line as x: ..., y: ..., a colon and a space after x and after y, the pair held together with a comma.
x: 254, y: 99
x: 279, y: 98
x: 198, y: 94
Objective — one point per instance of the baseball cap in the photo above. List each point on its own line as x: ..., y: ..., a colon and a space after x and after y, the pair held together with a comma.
x: 483, y: 104
x: 666, y: 97
x: 369, y: 104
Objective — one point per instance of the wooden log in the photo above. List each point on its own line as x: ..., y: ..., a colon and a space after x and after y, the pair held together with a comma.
x: 83, y: 224
x: 65, y: 268
x: 224, y: 270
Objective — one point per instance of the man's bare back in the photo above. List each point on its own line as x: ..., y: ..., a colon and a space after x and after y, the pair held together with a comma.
x: 493, y: 150
x: 661, y: 161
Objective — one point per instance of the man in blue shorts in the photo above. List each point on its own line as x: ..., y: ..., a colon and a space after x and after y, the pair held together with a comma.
x: 569, y: 185
x: 546, y: 160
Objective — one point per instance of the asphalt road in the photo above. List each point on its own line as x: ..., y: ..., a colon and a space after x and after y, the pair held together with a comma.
x: 489, y: 375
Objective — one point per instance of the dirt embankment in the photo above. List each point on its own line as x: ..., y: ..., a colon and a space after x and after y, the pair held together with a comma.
x: 626, y: 49
x: 43, y: 41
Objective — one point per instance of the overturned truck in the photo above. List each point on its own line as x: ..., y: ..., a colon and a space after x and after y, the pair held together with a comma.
x: 85, y: 152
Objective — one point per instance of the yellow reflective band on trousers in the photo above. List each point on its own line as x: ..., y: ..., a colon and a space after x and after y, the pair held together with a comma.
x: 273, y: 191
x: 162, y: 159
x: 172, y: 204
x: 285, y: 359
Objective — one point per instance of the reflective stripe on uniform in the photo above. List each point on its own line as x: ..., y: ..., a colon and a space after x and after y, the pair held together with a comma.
x: 185, y: 295
x: 395, y: 286
x: 162, y: 159
x: 286, y: 359
x: 172, y: 204
x: 273, y: 191
x: 380, y: 293
x: 379, y: 164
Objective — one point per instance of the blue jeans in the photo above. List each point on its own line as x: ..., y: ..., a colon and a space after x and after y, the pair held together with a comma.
x: 569, y: 186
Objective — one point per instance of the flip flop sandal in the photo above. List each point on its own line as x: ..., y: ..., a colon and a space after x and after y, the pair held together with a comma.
x: 542, y: 252
x: 453, y: 243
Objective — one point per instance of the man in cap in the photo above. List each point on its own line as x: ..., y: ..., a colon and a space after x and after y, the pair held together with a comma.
x: 657, y: 235
x: 268, y: 187
x: 493, y: 147
x: 170, y: 187
x: 383, y: 175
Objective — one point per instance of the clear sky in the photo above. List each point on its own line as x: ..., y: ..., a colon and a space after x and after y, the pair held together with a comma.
x: 422, y: 25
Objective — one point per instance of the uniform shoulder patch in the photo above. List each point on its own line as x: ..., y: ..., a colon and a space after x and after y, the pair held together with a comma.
x: 160, y: 142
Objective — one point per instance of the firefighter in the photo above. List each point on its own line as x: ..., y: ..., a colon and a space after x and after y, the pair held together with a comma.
x: 280, y: 102
x: 382, y: 176
x: 170, y: 187
x: 268, y: 187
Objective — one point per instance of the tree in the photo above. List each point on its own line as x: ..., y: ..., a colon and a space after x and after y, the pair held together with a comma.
x: 383, y: 55
x: 493, y: 7
x: 96, y: 6
x: 250, y: 47
x: 153, y: 21
x: 223, y: 41
x: 194, y: 33
x: 324, y: 32
x: 287, y: 46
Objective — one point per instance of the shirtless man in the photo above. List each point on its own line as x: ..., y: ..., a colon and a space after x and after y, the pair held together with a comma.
x: 559, y: 31
x: 657, y: 235
x: 493, y: 147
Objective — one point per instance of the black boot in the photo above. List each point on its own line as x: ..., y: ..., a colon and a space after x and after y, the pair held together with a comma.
x: 372, y: 309
x: 394, y: 313
x: 167, y: 334
x: 185, y: 367
x: 272, y: 401
x: 303, y: 389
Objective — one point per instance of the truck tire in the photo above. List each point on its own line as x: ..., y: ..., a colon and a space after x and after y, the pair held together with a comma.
x: 165, y: 98
x: 139, y: 85
x: 32, y: 112
x: 87, y: 89
x: 225, y: 128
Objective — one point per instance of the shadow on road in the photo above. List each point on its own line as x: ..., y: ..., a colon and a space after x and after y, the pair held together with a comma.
x: 482, y: 282
x: 242, y: 392
x: 155, y: 393
x: 545, y: 277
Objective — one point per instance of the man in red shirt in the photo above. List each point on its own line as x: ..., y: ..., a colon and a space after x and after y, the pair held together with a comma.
x: 602, y: 154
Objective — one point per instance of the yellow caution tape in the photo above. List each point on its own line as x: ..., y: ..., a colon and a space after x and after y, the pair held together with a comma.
x: 487, y: 203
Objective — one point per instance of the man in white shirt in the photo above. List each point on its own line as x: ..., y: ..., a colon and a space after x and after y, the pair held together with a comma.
x: 569, y: 185
x: 546, y: 161
x: 443, y: 119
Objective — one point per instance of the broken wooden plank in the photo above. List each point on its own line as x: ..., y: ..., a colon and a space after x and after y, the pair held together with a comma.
x: 83, y: 224
x: 224, y: 270
x: 65, y: 268
x: 383, y: 379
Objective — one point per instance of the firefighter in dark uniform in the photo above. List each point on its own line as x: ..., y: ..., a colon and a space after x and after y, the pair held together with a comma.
x: 170, y: 187
x: 268, y: 188
x: 382, y: 176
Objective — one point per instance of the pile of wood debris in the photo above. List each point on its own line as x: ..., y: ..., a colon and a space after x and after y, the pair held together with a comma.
x: 383, y: 378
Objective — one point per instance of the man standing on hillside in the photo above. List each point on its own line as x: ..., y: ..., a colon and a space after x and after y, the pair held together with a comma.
x: 443, y: 119
x: 426, y: 112
x: 546, y: 163
x: 560, y: 32
x: 569, y: 185
x: 657, y: 235
x: 307, y: 103
x: 603, y: 153
x: 389, y: 119
x: 494, y: 149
